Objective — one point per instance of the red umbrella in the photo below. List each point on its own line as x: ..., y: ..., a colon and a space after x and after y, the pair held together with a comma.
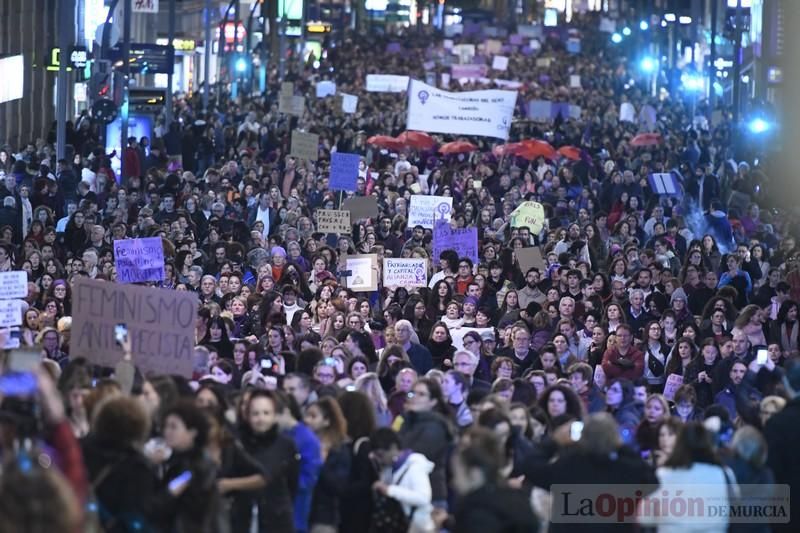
x: 531, y: 149
x: 506, y: 149
x: 457, y: 147
x: 385, y: 141
x: 646, y: 139
x: 570, y: 152
x: 417, y: 139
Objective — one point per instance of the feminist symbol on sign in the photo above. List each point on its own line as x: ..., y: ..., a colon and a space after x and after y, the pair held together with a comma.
x: 423, y: 96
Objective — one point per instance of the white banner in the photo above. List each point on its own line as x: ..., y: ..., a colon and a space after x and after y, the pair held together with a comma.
x: 405, y: 272
x: 386, y: 83
x: 424, y: 208
x: 481, y: 113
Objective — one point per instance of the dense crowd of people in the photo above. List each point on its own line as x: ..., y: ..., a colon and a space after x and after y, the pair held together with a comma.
x: 656, y: 343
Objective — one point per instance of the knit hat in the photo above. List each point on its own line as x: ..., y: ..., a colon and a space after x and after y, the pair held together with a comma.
x: 678, y: 294
x: 278, y: 250
x: 471, y: 300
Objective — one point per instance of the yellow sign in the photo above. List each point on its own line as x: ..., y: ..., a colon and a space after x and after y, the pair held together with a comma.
x: 181, y: 45
x: 530, y: 215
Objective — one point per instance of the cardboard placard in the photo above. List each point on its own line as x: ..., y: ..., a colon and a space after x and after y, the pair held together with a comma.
x: 424, y: 209
x: 292, y: 105
x: 500, y: 63
x: 349, y: 103
x: 405, y: 272
x: 10, y: 313
x: 305, y: 145
x: 287, y: 87
x: 363, y: 273
x: 361, y: 207
x: 160, y: 325
x: 344, y: 171
x: 333, y: 221
x: 530, y: 258
x: 674, y: 382
x: 575, y: 81
x: 13, y: 284
x: 139, y: 260
x: 528, y: 214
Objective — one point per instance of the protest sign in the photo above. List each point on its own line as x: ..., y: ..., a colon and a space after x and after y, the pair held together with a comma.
x: 333, y: 221
x: 529, y: 30
x: 363, y: 273
x: 405, y: 272
x: 599, y: 377
x: 464, y: 241
x: 349, y: 103
x: 492, y: 46
x: 530, y: 215
x: 160, y: 325
x: 471, y: 71
x: 289, y: 104
x: 344, y: 171
x: 464, y: 51
x: 573, y: 45
x: 516, y: 39
x: 13, y: 284
x: 539, y: 110
x: 287, y: 87
x: 326, y: 88
x: 386, y: 83
x: 544, y: 62
x: 424, y: 209
x: 447, y: 44
x: 445, y: 79
x: 481, y: 113
x: 627, y: 113
x: 575, y: 81
x: 139, y: 260
x: 559, y: 108
x: 10, y: 313
x: 394, y: 48
x: 529, y: 258
x: 674, y: 382
x: 664, y: 183
x: 361, y: 207
x: 305, y: 145
x: 500, y: 63
x: 458, y: 335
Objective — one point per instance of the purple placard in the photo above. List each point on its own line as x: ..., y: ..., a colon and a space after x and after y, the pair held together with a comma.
x: 559, y: 107
x: 469, y: 71
x: 463, y: 240
x: 139, y: 260
x: 394, y: 48
x: 515, y: 39
x: 344, y: 171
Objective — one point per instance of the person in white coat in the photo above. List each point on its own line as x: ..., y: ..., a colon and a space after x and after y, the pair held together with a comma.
x: 405, y: 478
x: 693, y: 471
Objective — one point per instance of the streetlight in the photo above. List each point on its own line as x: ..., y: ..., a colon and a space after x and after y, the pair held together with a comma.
x: 648, y: 64
x: 758, y: 126
x: 643, y: 25
x: 626, y: 31
x: 616, y: 38
x: 241, y: 65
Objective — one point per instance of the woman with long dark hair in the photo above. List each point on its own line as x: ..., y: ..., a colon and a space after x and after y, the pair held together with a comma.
x: 786, y: 329
x: 217, y: 336
x: 440, y: 344
x: 438, y: 300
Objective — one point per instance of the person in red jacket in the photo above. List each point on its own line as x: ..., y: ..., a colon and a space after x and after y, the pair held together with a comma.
x: 132, y: 166
x: 623, y: 360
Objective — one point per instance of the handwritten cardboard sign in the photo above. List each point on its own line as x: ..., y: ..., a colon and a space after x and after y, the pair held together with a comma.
x: 363, y: 271
x: 405, y: 272
x: 674, y: 382
x: 139, y: 260
x: 333, y: 221
x: 529, y: 258
x: 305, y: 145
x: 13, y: 284
x: 10, y: 313
x: 289, y: 104
x: 361, y: 207
x: 344, y: 171
x: 464, y: 241
x: 160, y: 325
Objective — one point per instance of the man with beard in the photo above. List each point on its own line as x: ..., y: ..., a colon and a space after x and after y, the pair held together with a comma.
x: 531, y: 293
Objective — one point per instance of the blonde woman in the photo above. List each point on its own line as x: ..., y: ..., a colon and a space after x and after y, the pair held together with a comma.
x: 370, y: 385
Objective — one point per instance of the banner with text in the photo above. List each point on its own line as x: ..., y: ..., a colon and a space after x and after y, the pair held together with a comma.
x: 139, y: 260
x: 405, y: 272
x: 424, y: 209
x: 160, y: 325
x: 464, y: 241
x: 386, y: 83
x: 482, y: 113
x: 333, y: 221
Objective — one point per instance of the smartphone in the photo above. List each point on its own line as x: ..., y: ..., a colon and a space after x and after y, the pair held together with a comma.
x: 24, y: 360
x: 18, y: 384
x: 575, y: 431
x: 761, y: 356
x: 180, y: 481
x: 120, y: 333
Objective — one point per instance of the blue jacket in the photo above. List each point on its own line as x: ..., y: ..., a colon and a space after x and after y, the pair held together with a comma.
x: 308, y: 446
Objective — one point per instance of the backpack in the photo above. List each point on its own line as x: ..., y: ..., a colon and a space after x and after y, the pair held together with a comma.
x: 388, y: 515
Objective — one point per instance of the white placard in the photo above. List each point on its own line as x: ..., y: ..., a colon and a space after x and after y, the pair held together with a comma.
x: 500, y: 63
x: 575, y: 81
x: 10, y: 313
x: 145, y: 6
x: 447, y: 44
x: 674, y: 382
x: 326, y: 88
x: 627, y: 113
x: 483, y: 113
x: 386, y: 83
x: 11, y: 70
x: 405, y: 272
x: 424, y: 208
x: 363, y: 276
x: 445, y: 79
x: 13, y: 284
x: 349, y: 103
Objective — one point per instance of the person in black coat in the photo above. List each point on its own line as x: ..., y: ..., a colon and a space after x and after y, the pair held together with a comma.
x: 486, y: 502
x: 279, y: 461
x: 782, y: 433
x: 124, y: 480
